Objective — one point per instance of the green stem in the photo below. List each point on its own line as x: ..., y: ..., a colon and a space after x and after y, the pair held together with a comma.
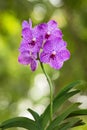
x: 51, y: 91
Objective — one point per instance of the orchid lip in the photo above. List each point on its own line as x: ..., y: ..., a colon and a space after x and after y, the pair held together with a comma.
x: 33, y: 41
x: 52, y: 56
x: 47, y: 35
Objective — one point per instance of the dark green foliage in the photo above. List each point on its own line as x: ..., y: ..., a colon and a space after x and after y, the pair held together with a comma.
x: 63, y: 121
x: 19, y: 122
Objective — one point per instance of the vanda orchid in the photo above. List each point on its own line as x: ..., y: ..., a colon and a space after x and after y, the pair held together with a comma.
x: 44, y: 43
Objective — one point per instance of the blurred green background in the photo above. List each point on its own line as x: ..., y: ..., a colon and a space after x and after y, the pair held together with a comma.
x: 19, y: 87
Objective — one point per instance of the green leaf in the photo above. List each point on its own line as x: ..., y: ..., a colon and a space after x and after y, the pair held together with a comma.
x: 34, y: 114
x: 19, y: 122
x: 60, y: 101
x: 79, y: 123
x: 81, y: 112
x: 45, y: 117
x: 72, y: 123
x: 37, y: 118
x: 61, y: 97
x: 62, y: 116
x: 69, y: 87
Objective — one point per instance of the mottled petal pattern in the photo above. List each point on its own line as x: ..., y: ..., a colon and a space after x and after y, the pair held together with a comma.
x: 64, y: 55
x: 25, y: 24
x: 57, y: 33
x: 48, y: 46
x: 33, y: 65
x: 27, y: 34
x: 24, y: 59
x: 45, y: 58
x: 52, y: 25
x: 56, y: 63
x: 43, y: 42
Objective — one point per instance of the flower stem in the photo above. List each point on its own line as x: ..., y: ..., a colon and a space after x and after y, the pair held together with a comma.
x: 51, y: 91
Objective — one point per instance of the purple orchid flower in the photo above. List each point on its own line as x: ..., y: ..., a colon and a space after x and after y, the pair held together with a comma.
x: 55, y: 53
x: 49, y: 30
x: 52, y: 30
x: 31, y: 38
x: 25, y: 24
x: 46, y: 37
x: 26, y: 58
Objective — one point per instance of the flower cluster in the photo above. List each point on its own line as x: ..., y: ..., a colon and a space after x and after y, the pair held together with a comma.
x: 44, y: 43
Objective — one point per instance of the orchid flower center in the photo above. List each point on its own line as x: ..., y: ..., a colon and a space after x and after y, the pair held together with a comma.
x: 33, y: 41
x: 53, y: 55
x: 47, y: 35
